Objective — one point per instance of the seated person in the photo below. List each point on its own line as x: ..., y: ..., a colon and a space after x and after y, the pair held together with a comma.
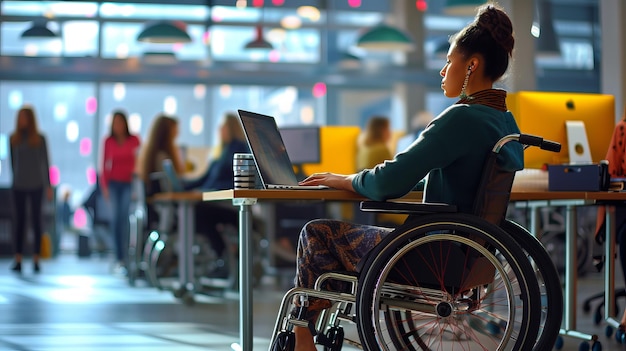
x: 219, y: 175
x: 617, y: 169
x: 373, y: 144
x: 210, y: 217
x: 451, y: 151
x: 160, y: 146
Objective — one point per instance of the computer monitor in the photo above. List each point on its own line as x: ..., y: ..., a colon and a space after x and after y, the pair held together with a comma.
x: 303, y: 146
x: 545, y: 113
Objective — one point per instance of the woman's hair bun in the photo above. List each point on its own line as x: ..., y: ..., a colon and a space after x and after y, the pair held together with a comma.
x: 497, y: 23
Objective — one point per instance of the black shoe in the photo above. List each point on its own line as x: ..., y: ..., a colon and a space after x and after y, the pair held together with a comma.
x: 36, y: 267
x: 17, y: 267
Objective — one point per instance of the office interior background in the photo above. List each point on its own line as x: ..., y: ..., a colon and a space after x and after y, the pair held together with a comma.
x: 313, y: 75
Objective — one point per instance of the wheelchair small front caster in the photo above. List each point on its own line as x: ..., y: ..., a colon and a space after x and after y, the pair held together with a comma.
x: 334, y: 338
x: 285, y: 341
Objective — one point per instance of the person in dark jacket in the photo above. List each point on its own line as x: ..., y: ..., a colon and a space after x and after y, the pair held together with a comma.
x: 31, y: 179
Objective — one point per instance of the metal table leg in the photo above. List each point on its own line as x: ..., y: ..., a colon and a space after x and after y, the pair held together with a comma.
x: 609, y: 270
x: 571, y: 271
x: 245, y: 271
x: 186, y: 230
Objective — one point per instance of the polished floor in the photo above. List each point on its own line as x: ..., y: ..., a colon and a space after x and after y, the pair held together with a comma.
x: 80, y: 304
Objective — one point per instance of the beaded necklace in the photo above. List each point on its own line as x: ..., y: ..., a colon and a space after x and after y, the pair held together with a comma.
x: 494, y: 98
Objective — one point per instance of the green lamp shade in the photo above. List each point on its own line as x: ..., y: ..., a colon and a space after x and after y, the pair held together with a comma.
x: 164, y: 32
x: 385, y: 38
x: 38, y: 30
x: 462, y: 7
x: 259, y: 42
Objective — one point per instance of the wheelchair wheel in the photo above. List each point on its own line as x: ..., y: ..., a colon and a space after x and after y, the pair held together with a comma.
x: 549, y: 285
x: 448, y: 282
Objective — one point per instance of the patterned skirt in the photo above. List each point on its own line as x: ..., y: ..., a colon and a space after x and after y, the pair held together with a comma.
x: 332, y: 246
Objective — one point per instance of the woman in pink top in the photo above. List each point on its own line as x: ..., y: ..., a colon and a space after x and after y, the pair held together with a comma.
x: 118, y: 166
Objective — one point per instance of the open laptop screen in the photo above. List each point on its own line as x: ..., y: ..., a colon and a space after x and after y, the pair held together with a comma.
x: 268, y: 149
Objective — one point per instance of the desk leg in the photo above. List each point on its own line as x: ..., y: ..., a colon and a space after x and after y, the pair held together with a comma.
x: 186, y: 229
x: 609, y: 270
x: 245, y: 269
x: 571, y: 260
x: 571, y: 278
x: 535, y: 223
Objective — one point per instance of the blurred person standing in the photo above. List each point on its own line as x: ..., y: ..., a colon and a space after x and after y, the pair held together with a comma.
x: 31, y: 178
x: 118, y: 165
x: 373, y: 144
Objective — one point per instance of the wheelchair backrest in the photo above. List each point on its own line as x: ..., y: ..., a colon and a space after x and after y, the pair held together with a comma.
x: 494, y: 191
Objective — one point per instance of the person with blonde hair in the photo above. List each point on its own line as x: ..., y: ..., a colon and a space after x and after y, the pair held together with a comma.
x: 31, y: 177
x: 219, y: 175
x: 373, y: 145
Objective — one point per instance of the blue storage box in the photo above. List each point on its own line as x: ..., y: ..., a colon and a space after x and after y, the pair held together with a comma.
x: 583, y: 177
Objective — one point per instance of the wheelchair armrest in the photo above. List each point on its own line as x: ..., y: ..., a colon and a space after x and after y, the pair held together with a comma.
x: 406, y: 207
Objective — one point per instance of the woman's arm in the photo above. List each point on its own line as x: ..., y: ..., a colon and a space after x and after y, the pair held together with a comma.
x: 332, y: 180
x: 46, y: 168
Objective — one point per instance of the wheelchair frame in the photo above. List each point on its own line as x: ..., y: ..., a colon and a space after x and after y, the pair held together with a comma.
x: 541, y: 313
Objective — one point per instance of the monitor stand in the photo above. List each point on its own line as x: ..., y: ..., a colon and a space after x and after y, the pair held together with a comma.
x: 577, y: 143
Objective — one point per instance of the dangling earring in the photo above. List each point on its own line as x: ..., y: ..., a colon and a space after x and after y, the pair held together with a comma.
x: 464, y: 95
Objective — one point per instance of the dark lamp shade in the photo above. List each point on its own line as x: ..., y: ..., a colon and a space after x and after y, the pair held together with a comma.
x: 385, y: 38
x: 164, y: 32
x: 259, y: 42
x: 38, y: 30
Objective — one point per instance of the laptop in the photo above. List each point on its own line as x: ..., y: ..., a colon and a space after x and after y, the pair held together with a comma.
x: 270, y: 155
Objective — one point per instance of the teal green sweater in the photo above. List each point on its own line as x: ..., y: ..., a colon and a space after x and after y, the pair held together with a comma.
x: 451, y: 151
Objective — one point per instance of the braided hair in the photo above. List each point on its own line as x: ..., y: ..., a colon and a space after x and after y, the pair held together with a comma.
x: 491, y: 36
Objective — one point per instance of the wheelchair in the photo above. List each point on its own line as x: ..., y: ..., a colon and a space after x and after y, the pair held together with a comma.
x: 443, y: 280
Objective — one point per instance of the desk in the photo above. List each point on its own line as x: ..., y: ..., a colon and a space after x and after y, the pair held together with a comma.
x: 244, y: 198
x: 186, y: 230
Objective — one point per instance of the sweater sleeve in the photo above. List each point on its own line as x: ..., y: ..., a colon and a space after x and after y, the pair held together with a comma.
x: 441, y: 143
x: 45, y: 157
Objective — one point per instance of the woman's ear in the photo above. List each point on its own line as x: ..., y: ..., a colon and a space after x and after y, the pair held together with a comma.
x: 473, y: 64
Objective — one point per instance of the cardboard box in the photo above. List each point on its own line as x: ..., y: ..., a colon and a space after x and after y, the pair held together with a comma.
x: 581, y: 177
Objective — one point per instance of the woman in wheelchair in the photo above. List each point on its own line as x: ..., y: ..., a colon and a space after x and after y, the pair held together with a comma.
x: 449, y: 155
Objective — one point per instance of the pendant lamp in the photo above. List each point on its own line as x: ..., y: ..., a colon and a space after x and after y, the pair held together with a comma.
x: 259, y: 42
x: 547, y: 44
x: 164, y: 32
x: 385, y: 38
x: 38, y: 30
